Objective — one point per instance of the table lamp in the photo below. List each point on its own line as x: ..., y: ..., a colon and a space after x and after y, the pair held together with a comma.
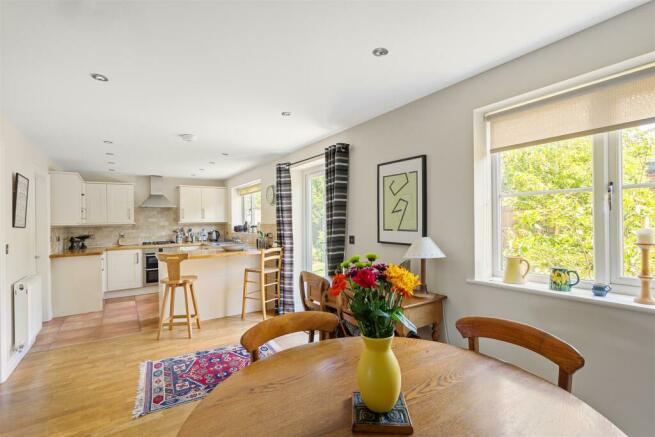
x: 423, y: 248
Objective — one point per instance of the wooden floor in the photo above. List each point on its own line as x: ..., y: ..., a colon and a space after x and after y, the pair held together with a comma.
x: 89, y: 388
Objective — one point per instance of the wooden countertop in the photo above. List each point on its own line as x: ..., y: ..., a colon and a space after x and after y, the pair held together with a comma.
x: 216, y: 253
x: 210, y: 252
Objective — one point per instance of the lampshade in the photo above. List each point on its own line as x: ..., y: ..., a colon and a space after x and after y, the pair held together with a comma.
x: 424, y: 248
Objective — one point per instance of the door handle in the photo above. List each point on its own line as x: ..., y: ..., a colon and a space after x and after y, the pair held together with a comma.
x: 137, y: 258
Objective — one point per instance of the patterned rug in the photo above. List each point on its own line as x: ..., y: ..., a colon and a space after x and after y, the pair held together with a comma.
x: 176, y: 380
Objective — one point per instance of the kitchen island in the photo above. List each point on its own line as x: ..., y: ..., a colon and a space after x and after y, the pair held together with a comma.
x: 220, y: 280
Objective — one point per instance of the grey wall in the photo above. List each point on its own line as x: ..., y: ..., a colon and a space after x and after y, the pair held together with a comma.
x: 619, y: 345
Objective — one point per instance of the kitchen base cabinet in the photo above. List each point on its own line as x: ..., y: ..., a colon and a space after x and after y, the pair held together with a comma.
x: 124, y: 269
x: 76, y: 285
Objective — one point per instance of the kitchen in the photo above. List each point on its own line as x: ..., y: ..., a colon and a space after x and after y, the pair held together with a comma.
x: 107, y: 233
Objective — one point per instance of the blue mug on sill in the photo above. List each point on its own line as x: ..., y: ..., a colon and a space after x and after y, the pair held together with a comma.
x: 601, y: 289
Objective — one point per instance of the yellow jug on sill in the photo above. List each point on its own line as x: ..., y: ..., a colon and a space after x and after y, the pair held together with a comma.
x: 513, y: 274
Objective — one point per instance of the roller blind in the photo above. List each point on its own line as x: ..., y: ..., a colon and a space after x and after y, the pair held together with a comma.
x: 249, y: 189
x: 606, y: 105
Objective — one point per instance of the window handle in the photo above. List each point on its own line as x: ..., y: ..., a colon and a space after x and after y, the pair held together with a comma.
x: 610, y: 193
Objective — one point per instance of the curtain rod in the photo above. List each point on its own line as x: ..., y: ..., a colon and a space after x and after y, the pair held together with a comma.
x: 315, y: 156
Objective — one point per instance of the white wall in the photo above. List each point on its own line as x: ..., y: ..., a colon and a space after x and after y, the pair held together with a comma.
x: 619, y: 346
x: 16, y: 155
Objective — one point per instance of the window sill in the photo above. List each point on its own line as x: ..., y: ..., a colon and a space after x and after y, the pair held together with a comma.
x: 614, y: 300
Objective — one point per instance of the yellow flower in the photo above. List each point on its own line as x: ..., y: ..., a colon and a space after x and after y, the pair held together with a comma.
x: 401, y: 280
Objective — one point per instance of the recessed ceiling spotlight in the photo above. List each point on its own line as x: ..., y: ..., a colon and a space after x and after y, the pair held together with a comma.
x: 201, y: 169
x: 111, y: 163
x: 225, y: 154
x: 380, y: 51
x: 193, y: 174
x: 111, y: 169
x: 211, y: 163
x: 286, y: 114
x: 108, y: 142
x: 188, y: 137
x: 100, y: 77
x: 109, y: 153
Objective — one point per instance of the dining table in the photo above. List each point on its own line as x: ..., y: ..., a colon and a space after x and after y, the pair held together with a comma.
x: 449, y: 391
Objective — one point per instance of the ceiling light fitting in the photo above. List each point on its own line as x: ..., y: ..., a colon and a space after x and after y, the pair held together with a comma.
x: 108, y: 142
x: 286, y: 114
x: 225, y: 154
x: 188, y: 137
x: 100, y: 77
x: 380, y: 51
x: 109, y: 154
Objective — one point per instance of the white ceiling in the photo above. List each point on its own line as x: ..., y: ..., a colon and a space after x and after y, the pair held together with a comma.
x: 226, y: 70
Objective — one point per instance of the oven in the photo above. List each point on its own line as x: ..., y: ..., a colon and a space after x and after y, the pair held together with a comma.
x: 150, y: 267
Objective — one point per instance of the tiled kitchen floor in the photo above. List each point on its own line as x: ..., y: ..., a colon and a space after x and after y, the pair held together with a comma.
x: 120, y: 316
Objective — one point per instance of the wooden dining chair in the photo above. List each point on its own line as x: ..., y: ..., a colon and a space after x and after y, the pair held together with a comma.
x: 313, y: 289
x: 347, y: 322
x: 567, y: 358
x: 269, y: 329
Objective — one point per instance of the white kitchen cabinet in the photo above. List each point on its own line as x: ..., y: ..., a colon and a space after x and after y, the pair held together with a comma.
x: 66, y: 207
x: 76, y: 285
x: 124, y: 269
x: 95, y: 203
x: 120, y: 204
x: 202, y: 204
x: 190, y: 204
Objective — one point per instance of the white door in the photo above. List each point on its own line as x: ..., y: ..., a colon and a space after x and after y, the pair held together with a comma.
x: 42, y: 246
x: 213, y: 205
x: 95, y: 199
x: 120, y: 203
x: 65, y: 199
x: 190, y: 204
x: 124, y: 269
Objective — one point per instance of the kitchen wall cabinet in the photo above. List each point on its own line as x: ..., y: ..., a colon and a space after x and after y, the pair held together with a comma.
x: 202, y: 204
x: 124, y: 269
x: 66, y: 200
x: 74, y: 202
x: 120, y: 204
x: 95, y: 203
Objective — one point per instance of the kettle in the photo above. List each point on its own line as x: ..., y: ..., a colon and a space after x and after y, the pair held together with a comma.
x: 214, y: 235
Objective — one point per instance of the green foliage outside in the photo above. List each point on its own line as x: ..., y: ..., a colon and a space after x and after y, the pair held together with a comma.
x: 556, y: 229
x: 317, y: 187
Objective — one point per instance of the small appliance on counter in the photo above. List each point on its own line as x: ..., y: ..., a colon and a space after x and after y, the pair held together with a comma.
x: 78, y: 242
x: 214, y: 235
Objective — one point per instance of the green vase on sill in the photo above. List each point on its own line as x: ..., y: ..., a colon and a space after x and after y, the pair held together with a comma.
x: 378, y: 375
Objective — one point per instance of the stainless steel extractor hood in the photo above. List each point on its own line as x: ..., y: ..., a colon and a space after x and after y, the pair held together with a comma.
x: 156, y: 199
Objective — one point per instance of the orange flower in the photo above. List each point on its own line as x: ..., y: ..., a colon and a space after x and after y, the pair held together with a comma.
x: 402, y: 281
x: 339, y: 283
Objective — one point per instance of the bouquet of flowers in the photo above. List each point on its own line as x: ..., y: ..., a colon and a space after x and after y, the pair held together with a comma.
x: 375, y: 293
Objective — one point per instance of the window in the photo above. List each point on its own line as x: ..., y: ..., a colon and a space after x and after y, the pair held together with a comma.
x: 251, y: 207
x: 250, y: 199
x: 315, y: 258
x: 576, y: 203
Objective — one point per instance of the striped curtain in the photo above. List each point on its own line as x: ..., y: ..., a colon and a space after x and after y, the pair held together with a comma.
x: 336, y: 201
x: 285, y: 235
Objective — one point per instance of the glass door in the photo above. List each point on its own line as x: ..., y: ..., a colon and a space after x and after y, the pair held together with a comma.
x: 315, y: 258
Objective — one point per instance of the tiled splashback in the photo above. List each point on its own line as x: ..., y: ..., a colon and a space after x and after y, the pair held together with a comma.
x: 151, y: 224
x: 251, y: 237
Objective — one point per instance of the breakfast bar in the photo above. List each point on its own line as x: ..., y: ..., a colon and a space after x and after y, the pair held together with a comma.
x: 220, y: 279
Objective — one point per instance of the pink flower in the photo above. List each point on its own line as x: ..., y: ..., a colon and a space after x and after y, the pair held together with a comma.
x: 366, y: 278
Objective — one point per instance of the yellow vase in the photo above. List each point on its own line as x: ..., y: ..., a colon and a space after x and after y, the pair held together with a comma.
x: 378, y: 375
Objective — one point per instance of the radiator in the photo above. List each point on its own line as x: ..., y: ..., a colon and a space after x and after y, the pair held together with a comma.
x: 23, y: 291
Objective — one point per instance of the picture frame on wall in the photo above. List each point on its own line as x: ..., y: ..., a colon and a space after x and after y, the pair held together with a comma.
x: 21, y: 192
x: 402, y: 200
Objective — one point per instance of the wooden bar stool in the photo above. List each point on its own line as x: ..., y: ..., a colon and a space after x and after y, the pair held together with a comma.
x: 171, y: 284
x: 270, y: 263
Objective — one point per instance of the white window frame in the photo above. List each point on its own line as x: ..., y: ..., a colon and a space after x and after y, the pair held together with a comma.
x: 318, y: 170
x: 243, y: 208
x: 606, y: 168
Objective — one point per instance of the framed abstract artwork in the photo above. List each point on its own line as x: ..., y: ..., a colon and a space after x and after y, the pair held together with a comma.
x: 21, y: 190
x: 402, y: 200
